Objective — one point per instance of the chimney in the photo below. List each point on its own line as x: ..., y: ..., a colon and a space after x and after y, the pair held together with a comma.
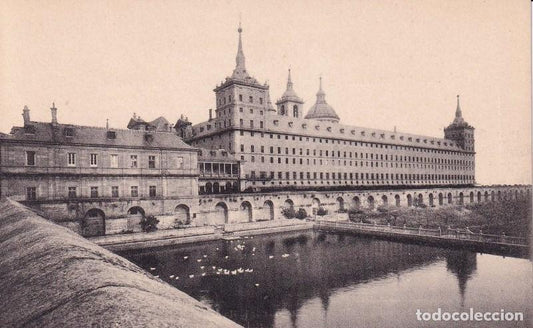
x: 26, y: 115
x: 210, y: 114
x: 53, y: 110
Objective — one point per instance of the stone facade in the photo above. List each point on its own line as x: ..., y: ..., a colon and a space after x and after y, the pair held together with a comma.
x: 280, y: 149
x: 99, y: 180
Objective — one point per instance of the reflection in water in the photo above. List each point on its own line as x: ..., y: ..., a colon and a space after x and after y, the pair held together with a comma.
x: 463, y: 265
x: 255, y: 279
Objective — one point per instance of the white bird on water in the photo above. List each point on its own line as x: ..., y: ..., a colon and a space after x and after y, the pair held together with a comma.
x: 152, y: 269
x: 171, y: 276
x: 271, y: 256
x: 191, y: 276
x: 185, y: 257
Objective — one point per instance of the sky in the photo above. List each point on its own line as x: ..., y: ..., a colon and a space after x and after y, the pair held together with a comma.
x: 384, y: 64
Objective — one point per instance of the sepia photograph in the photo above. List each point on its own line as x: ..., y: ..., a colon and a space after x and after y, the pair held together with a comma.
x: 266, y: 164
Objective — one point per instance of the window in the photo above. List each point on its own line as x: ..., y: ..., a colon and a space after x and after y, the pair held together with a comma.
x: 94, y: 192
x: 71, y: 159
x: 72, y: 192
x: 261, y: 101
x: 31, y: 193
x: 68, y: 132
x: 179, y: 162
x: 151, y: 162
x: 152, y: 191
x: 30, y: 158
x: 94, y: 160
x: 134, y: 191
x: 113, y: 160
x: 133, y: 161
x: 240, y: 97
x: 114, y: 191
x: 251, y: 99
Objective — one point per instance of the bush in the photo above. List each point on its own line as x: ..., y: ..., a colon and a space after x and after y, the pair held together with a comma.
x: 321, y: 211
x: 301, y: 214
x: 383, y: 209
x: 149, y: 223
x: 288, y: 212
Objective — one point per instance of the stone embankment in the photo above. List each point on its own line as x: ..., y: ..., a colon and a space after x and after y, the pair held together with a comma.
x: 52, y: 277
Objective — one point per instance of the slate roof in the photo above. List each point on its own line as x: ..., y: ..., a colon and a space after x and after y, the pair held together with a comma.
x: 69, y: 134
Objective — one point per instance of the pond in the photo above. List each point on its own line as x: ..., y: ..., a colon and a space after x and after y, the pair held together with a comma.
x: 315, y: 279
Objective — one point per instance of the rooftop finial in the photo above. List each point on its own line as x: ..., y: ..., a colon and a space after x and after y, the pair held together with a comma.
x: 458, y: 112
x: 289, y: 81
x: 240, y: 68
x: 320, y: 95
x: 320, y: 87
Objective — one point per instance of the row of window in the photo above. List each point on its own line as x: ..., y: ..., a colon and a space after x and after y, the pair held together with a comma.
x: 31, y: 192
x: 357, y: 176
x: 72, y: 160
x: 385, y: 157
x: 222, y: 100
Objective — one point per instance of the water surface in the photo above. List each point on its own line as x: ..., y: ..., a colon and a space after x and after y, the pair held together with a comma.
x: 314, y: 279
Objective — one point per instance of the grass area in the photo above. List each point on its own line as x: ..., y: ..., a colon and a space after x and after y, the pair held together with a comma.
x: 512, y: 217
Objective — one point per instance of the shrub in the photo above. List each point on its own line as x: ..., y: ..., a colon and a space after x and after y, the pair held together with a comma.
x: 149, y: 223
x: 301, y: 214
x: 321, y: 211
x: 383, y: 209
x: 288, y: 212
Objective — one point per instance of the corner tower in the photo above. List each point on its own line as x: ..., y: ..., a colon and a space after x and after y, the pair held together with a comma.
x: 460, y: 131
x: 290, y: 104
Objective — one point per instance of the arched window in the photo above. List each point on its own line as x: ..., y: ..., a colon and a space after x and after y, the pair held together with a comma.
x: 295, y: 111
x: 282, y: 110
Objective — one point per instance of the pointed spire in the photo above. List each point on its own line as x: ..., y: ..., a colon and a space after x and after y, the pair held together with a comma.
x: 320, y: 95
x: 289, y: 81
x: 458, y: 112
x: 240, y: 61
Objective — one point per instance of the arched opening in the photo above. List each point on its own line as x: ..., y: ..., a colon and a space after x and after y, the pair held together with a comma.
x: 450, y: 198
x: 486, y: 196
x: 409, y: 200
x: 235, y: 186
x: 461, y: 198
x: 282, y: 110
x: 182, y: 214
x: 471, y: 197
x: 397, y: 200
x: 288, y: 204
x: 516, y: 194
x: 420, y: 200
x: 370, y: 201
x: 315, y: 205
x: 499, y: 195
x: 356, y: 203
x: 229, y: 187
x: 220, y: 216
x: 430, y: 197
x: 295, y: 111
x: 246, y: 211
x: 135, y: 215
x: 93, y: 223
x: 268, y: 210
x: 208, y: 188
x: 340, y: 204
x: 479, y: 196
x: 441, y: 199
x: 216, y: 188
x: 384, y: 200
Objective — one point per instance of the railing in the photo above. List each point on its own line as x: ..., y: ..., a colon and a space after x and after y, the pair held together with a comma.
x: 448, y: 233
x: 218, y: 175
x: 97, y: 170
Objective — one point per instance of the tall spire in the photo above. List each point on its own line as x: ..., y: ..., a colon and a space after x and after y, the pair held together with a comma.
x: 458, y: 112
x: 320, y: 95
x: 240, y: 68
x: 289, y: 81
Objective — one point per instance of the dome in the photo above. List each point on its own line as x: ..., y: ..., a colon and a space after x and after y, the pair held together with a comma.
x: 321, y: 110
x: 290, y: 94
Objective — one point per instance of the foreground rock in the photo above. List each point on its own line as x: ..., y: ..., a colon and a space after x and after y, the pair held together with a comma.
x: 51, y: 277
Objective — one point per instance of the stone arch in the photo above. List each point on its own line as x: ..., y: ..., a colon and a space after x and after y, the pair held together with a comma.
x: 420, y: 199
x: 356, y: 202
x: 471, y: 197
x: 340, y: 204
x: 450, y: 198
x: 479, y: 196
x: 397, y: 200
x: 409, y: 200
x: 486, y: 195
x: 371, y: 203
x: 136, y: 211
x: 209, y: 188
x: 182, y: 214
x: 246, y: 211
x: 430, y: 200
x: 441, y: 199
x: 384, y: 200
x: 315, y: 205
x: 461, y: 198
x: 492, y: 195
x: 135, y: 215
x: 268, y: 210
x: 220, y: 215
x: 93, y: 223
x: 216, y: 188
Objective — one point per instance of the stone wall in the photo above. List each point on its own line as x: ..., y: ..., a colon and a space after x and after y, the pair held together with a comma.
x: 51, y: 277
